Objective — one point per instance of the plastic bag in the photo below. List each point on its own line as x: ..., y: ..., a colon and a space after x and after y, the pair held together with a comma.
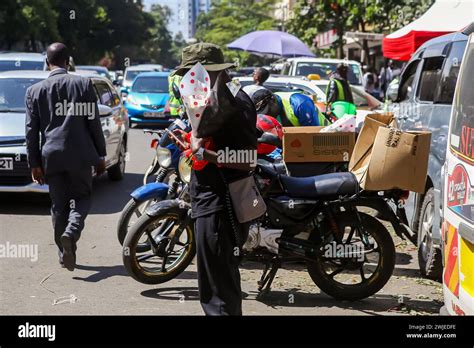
x: 346, y: 123
x: 195, y: 89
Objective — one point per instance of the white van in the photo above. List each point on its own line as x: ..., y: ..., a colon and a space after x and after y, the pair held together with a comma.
x: 323, y: 67
x: 458, y: 195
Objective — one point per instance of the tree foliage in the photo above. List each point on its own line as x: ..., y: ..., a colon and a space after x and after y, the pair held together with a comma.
x: 377, y: 16
x: 119, y: 30
x: 228, y: 20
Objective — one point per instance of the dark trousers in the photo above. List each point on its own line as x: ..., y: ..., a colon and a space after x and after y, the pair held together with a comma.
x: 70, y: 202
x: 218, y: 264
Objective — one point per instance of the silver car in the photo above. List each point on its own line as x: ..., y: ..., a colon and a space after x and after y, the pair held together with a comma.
x: 14, y: 172
x: 22, y: 61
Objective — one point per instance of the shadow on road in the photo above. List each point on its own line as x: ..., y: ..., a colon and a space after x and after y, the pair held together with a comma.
x: 379, y: 303
x: 187, y: 275
x: 110, y: 197
x: 102, y: 272
x: 173, y: 294
x: 403, y: 258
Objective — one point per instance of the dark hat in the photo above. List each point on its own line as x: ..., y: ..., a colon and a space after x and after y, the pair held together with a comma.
x: 209, y: 55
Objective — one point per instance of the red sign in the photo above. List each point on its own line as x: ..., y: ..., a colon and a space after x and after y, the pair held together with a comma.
x: 458, y: 186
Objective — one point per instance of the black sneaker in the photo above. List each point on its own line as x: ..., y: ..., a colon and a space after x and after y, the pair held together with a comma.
x: 69, y: 252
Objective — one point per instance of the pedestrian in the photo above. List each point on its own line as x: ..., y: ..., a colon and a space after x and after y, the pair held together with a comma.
x: 217, y: 252
x: 260, y: 75
x: 338, y: 88
x: 62, y: 147
x: 386, y: 77
x: 174, y: 103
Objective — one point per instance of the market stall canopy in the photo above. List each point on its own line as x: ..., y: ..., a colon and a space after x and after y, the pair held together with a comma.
x: 445, y: 16
x: 271, y: 43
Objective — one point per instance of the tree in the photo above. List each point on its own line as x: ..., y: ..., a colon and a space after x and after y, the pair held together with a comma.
x: 178, y: 44
x: 83, y: 27
x: 377, y: 16
x: 228, y: 20
x: 96, y: 31
x: 161, y: 42
x: 40, y: 18
x: 11, y: 17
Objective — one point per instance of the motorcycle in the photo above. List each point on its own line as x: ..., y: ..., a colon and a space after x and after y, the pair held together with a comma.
x: 167, y: 183
x: 309, y: 219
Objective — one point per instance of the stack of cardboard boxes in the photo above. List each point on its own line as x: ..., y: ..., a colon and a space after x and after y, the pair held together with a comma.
x: 382, y: 158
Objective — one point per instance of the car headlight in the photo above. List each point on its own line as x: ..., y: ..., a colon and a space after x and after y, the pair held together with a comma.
x: 184, y: 169
x: 164, y: 156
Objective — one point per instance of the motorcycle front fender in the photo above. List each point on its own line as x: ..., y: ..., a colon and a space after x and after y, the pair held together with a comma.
x: 175, y: 206
x: 150, y: 191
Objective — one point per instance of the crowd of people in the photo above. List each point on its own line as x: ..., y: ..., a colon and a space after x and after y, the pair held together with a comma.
x: 377, y: 83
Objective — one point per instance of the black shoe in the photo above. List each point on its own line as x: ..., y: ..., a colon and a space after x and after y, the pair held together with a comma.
x: 69, y: 252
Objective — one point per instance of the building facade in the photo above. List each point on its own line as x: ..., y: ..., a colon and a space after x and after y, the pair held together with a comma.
x: 184, y: 14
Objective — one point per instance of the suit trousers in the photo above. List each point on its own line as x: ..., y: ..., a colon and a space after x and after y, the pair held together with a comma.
x: 218, y: 264
x: 70, y: 193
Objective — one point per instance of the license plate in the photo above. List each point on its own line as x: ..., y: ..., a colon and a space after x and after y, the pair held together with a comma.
x: 153, y: 114
x: 6, y: 163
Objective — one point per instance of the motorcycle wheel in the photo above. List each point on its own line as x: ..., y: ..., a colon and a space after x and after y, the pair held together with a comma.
x: 336, y: 276
x: 132, y: 211
x: 152, y: 267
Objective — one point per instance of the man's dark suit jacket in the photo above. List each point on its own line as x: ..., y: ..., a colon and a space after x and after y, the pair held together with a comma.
x: 69, y: 140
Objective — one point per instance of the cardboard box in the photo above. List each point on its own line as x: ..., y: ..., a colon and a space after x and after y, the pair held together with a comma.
x: 307, y: 144
x: 386, y: 158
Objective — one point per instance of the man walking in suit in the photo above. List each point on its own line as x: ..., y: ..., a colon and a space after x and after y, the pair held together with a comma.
x: 62, y: 145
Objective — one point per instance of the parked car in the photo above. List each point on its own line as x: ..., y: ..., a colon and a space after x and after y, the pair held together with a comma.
x: 132, y: 71
x: 14, y: 172
x: 317, y: 89
x: 147, y: 99
x: 100, y: 70
x: 323, y: 67
x: 423, y: 102
x: 22, y: 61
x: 458, y: 198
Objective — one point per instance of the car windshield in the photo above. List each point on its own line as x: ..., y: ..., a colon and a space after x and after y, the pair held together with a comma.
x: 151, y: 84
x: 12, y: 93
x: 463, y: 114
x: 7, y: 65
x: 324, y: 70
x: 130, y: 75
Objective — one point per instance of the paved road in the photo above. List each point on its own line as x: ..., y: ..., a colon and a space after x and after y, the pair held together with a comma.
x: 100, y: 284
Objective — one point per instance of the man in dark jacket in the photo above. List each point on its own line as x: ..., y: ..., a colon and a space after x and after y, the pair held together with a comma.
x: 217, y: 260
x: 64, y: 139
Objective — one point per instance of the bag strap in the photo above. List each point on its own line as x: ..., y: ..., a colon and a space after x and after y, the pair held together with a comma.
x: 230, y: 212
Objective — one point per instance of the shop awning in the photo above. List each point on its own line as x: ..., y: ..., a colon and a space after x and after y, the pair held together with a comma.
x: 445, y: 16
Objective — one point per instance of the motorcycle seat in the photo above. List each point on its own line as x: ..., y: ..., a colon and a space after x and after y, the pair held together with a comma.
x: 328, y: 186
